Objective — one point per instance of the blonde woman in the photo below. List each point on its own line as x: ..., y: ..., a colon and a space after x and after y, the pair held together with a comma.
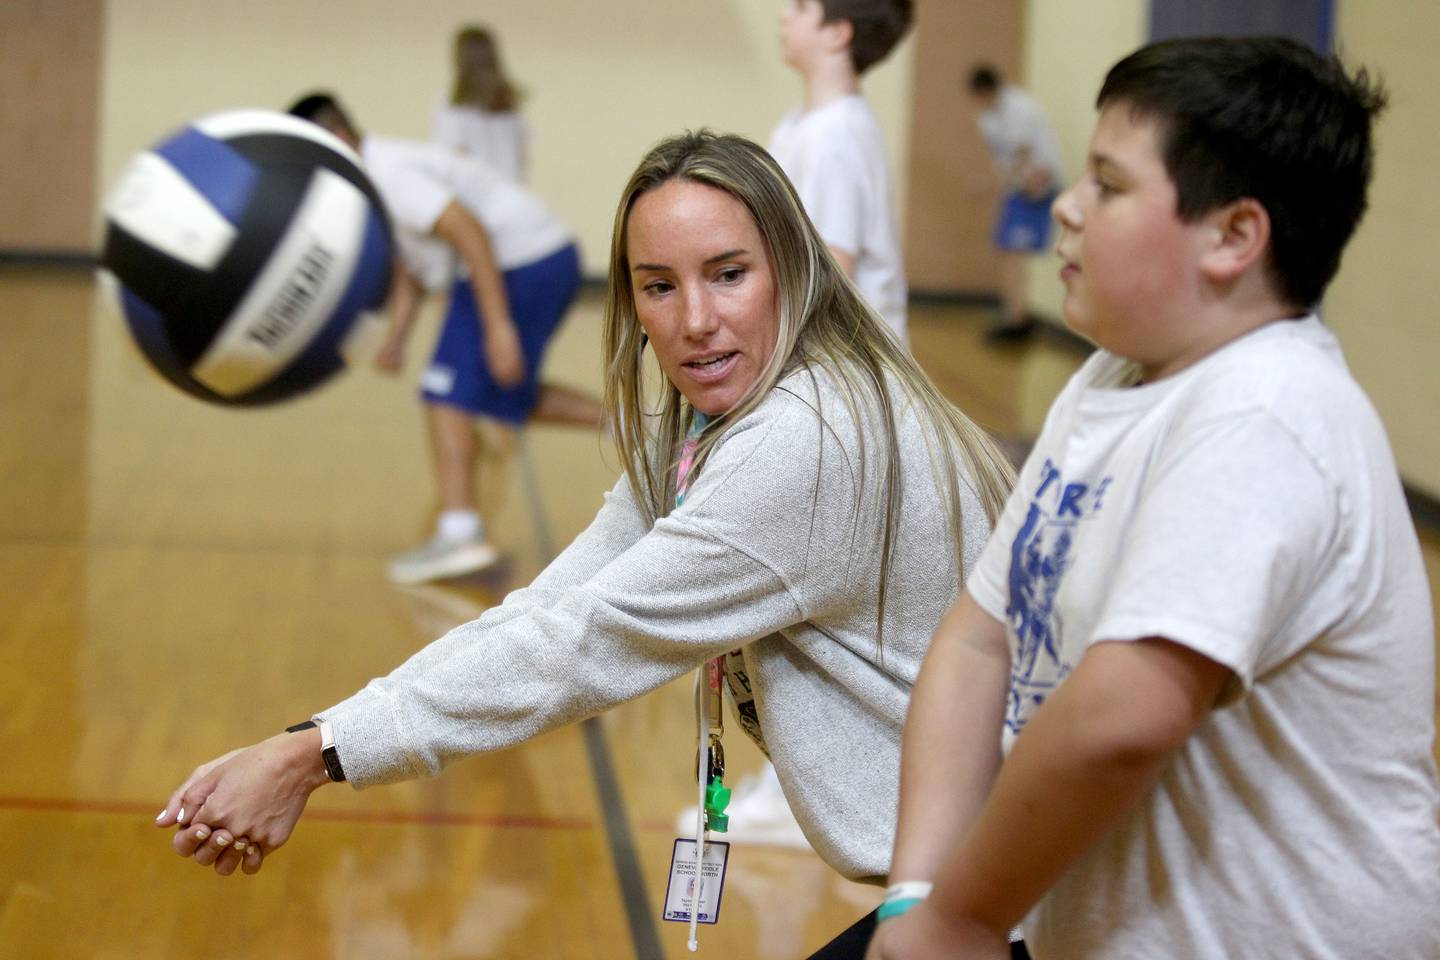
x: 481, y: 117
x: 798, y: 502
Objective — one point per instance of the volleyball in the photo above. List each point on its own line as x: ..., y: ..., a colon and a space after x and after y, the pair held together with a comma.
x: 244, y: 248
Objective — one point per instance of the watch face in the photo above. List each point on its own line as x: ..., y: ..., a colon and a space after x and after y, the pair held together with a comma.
x: 328, y: 753
x: 332, y: 764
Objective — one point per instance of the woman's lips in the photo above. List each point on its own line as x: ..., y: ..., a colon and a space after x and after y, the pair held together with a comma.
x: 713, y: 369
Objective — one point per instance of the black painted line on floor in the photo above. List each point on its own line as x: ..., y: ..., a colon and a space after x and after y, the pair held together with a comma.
x: 643, y: 931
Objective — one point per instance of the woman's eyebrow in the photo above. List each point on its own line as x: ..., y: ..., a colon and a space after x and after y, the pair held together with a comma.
x: 728, y: 254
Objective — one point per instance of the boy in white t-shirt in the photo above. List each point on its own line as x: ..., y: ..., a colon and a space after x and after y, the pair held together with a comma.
x: 512, y: 268
x: 1205, y: 605
x: 1027, y: 160
x: 831, y: 147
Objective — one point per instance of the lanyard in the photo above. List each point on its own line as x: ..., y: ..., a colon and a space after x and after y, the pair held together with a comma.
x: 712, y: 793
x: 711, y: 681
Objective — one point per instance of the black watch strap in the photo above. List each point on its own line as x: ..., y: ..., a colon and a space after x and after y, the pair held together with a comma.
x: 328, y: 753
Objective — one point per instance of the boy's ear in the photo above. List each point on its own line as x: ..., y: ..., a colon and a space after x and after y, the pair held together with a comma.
x: 840, y: 33
x: 1239, y: 239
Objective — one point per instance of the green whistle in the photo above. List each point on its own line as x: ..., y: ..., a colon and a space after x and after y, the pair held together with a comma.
x: 717, y: 797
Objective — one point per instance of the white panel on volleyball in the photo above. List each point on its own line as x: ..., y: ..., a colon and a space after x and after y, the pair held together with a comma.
x: 294, y: 294
x: 156, y: 205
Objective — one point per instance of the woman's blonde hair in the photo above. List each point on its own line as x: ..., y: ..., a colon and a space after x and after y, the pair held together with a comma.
x: 480, y: 79
x: 823, y: 323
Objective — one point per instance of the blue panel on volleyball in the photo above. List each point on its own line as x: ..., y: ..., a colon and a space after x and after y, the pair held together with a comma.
x: 215, y: 168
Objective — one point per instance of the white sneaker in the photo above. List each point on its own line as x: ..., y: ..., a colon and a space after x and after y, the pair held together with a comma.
x: 758, y: 813
x: 441, y: 558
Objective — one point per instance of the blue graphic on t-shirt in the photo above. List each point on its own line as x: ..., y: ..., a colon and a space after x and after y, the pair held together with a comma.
x: 1039, y: 557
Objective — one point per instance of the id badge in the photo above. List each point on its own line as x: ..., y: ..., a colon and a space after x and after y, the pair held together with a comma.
x: 684, y: 894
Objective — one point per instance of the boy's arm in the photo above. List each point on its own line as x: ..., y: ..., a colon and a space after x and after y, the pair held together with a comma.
x: 457, y: 227
x: 951, y: 747
x: 1028, y: 176
x: 1084, y: 761
x: 405, y: 295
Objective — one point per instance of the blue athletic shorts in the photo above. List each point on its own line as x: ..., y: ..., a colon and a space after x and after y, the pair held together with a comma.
x: 1024, y: 224
x: 539, y: 295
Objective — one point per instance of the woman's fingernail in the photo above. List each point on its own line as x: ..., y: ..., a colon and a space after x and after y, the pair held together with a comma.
x: 240, y: 845
x: 161, y: 815
x: 222, y: 840
x: 201, y: 834
x: 180, y: 817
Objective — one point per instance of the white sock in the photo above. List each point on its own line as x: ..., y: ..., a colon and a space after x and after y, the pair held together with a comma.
x: 458, y: 526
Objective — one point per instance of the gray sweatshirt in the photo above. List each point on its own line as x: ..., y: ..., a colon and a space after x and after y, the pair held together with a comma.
x: 776, y: 553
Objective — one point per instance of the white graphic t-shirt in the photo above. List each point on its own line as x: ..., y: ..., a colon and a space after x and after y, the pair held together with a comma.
x: 1248, y: 508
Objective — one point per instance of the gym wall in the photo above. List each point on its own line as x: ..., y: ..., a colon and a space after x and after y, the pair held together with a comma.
x: 86, y: 83
x: 603, y: 81
x: 1379, y: 303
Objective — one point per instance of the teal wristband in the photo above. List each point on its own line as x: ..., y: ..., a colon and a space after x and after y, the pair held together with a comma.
x: 900, y: 897
x: 891, y: 909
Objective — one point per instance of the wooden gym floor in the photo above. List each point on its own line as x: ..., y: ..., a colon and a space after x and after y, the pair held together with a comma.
x: 177, y: 580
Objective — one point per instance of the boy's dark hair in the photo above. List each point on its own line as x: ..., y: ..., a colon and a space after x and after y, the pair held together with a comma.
x: 984, y: 79
x: 1264, y: 118
x: 320, y: 107
x: 878, y: 26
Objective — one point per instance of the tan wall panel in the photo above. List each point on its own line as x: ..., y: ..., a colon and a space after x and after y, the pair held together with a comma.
x: 49, y: 75
x: 1057, y: 49
x: 1382, y: 302
x: 953, y: 190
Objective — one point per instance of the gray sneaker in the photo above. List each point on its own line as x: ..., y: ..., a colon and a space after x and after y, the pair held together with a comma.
x: 441, y: 558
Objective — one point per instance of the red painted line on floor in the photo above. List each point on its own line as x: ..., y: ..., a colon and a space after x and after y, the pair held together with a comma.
x: 436, y: 818
x: 658, y: 826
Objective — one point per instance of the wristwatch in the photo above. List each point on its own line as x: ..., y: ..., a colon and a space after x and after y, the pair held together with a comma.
x: 328, y: 753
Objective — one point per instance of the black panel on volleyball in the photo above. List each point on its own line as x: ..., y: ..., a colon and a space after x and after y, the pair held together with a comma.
x: 269, y: 150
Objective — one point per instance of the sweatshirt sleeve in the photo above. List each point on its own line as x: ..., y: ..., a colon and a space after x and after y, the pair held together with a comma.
x: 623, y: 611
